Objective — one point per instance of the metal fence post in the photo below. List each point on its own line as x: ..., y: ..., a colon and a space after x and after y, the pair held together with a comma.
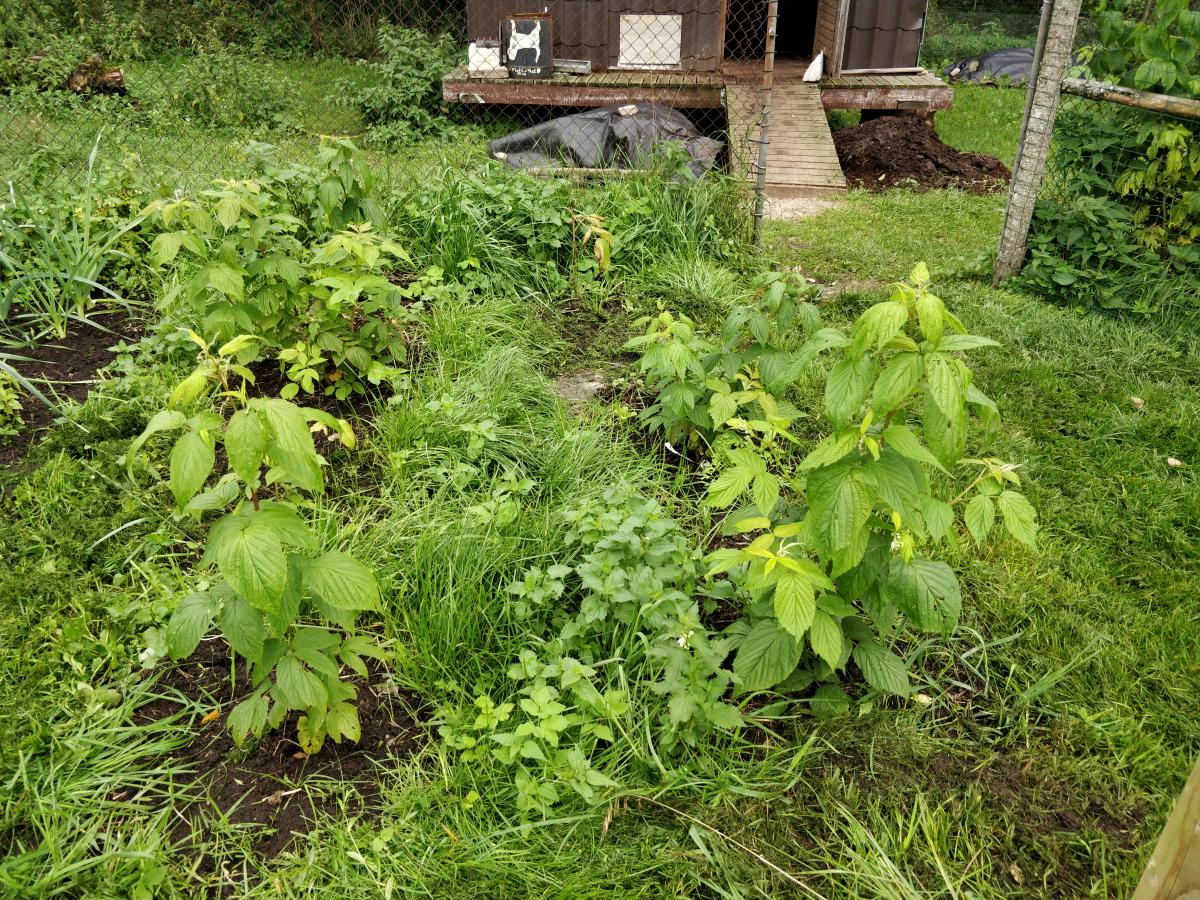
x: 1036, y: 134
x: 764, y: 139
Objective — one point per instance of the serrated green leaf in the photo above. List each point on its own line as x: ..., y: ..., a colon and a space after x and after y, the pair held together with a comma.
x: 896, y: 382
x: 229, y: 210
x: 931, y: 315
x: 246, y: 444
x: 939, y: 517
x: 243, y: 627
x: 847, y: 387
x: 289, y: 442
x: 248, y: 717
x: 795, y: 602
x: 729, y: 486
x: 878, y: 325
x: 165, y: 247
x: 945, y: 387
x: 250, y: 556
x: 300, y: 688
x: 163, y: 420
x: 286, y: 524
x: 341, y: 581
x: 1019, y: 516
x: 220, y: 277
x: 341, y: 721
x: 962, y: 342
x: 832, y: 449
x: 723, y: 560
x: 846, y: 513
x: 902, y: 439
x: 189, y: 623
x: 825, y: 636
x: 765, y: 492
x: 192, y: 461
x: 945, y: 435
x: 766, y: 656
x: 979, y: 515
x: 883, y: 669
x: 926, y: 591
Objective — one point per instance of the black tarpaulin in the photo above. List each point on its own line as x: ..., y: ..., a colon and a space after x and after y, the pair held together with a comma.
x: 613, y: 137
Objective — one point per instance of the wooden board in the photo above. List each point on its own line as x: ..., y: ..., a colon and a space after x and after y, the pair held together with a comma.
x: 800, y: 153
x: 1173, y: 872
x: 920, y: 91
x: 684, y: 90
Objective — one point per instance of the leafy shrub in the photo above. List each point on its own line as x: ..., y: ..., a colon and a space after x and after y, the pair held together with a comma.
x: 406, y: 102
x: 835, y: 572
x: 262, y: 550
x: 1125, y: 214
x: 705, y: 390
x: 615, y: 632
x: 218, y: 87
x: 290, y: 258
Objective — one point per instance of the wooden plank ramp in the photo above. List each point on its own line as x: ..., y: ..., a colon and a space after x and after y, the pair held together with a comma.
x: 801, y: 158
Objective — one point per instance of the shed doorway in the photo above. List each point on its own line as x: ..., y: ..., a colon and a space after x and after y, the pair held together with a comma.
x: 746, y: 30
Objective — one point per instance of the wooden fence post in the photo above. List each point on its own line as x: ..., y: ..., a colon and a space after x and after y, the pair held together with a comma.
x: 1035, y: 144
x: 1173, y: 872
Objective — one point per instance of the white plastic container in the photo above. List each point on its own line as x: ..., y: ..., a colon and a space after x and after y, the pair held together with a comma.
x: 483, y: 58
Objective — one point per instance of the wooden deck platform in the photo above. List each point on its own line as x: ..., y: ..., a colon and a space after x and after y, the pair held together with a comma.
x: 693, y: 90
x: 801, y: 158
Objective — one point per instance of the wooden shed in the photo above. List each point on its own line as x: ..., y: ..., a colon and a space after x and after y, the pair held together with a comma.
x: 697, y: 54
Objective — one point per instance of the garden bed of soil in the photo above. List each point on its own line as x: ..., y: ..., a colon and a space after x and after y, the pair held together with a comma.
x: 270, y: 786
x: 904, y: 150
x: 65, y: 369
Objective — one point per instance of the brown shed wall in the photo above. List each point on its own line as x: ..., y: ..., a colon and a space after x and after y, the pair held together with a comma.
x: 591, y: 29
x: 827, y: 34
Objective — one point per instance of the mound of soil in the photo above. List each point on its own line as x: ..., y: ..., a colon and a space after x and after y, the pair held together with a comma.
x: 905, y: 150
x: 65, y: 370
x: 270, y: 786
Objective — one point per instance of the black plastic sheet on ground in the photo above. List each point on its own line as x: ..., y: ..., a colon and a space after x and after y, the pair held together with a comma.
x: 1012, y: 64
x: 613, y: 137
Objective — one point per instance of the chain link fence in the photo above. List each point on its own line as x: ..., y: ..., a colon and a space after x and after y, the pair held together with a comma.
x: 180, y: 90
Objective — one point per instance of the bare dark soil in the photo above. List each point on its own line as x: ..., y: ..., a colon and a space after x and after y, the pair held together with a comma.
x: 65, y: 370
x: 271, y: 787
x: 904, y: 150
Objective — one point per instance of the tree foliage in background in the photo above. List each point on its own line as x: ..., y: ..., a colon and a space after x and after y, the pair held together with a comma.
x: 1122, y: 227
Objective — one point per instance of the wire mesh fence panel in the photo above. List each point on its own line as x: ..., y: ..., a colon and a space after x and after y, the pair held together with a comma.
x: 581, y: 86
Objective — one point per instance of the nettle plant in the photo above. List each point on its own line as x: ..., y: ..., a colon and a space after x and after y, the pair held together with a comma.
x: 618, y: 647
x: 839, y: 563
x: 272, y: 573
x: 280, y: 257
x: 708, y: 392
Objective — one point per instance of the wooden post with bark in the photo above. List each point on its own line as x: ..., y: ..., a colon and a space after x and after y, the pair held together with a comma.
x: 1037, y: 130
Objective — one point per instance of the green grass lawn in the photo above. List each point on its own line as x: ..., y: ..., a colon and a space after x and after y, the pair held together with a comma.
x: 1053, y: 728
